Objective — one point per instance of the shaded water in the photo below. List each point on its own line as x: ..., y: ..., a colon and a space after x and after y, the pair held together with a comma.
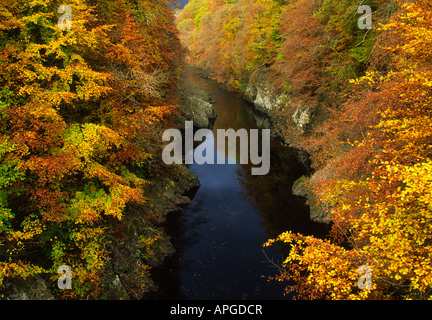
x: 218, y: 238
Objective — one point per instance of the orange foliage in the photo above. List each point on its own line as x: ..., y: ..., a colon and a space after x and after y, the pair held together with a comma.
x: 80, y: 111
x: 379, y: 191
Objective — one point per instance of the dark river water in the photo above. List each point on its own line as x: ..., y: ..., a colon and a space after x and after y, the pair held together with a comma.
x: 218, y: 238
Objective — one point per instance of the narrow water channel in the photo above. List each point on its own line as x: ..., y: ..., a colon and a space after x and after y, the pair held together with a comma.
x: 218, y: 238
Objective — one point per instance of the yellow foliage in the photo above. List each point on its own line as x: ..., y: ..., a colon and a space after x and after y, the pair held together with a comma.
x: 385, y: 213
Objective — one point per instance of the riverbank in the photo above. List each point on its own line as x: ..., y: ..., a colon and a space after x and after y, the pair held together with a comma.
x: 172, y: 189
x: 138, y: 242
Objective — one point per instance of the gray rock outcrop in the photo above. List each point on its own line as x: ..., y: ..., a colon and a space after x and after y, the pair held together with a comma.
x: 301, y: 188
x: 263, y: 96
x: 197, y: 106
x: 302, y: 117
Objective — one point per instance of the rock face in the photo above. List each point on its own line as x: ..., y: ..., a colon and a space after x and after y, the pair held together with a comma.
x: 299, y: 188
x: 197, y: 106
x: 318, y: 214
x: 302, y: 117
x: 114, y: 290
x: 317, y: 211
x: 263, y: 96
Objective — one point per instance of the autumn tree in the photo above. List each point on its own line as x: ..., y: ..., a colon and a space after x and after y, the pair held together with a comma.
x: 228, y: 41
x: 80, y: 112
x: 382, y: 212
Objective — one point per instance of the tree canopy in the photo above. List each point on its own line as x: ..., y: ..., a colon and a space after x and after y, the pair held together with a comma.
x: 80, y: 111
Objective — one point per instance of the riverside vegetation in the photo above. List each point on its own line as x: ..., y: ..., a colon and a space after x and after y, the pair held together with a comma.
x: 82, y: 113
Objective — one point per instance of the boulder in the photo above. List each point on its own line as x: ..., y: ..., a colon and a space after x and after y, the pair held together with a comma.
x: 302, y: 117
x: 263, y: 96
x: 197, y: 106
x: 299, y: 189
x: 318, y: 212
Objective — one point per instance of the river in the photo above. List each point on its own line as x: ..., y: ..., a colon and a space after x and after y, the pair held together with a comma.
x: 218, y: 237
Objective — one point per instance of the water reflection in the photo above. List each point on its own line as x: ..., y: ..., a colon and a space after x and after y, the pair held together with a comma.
x: 271, y: 196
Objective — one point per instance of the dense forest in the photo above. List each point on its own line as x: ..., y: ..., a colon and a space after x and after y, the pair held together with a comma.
x: 82, y: 108
x: 88, y: 87
x: 357, y: 98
